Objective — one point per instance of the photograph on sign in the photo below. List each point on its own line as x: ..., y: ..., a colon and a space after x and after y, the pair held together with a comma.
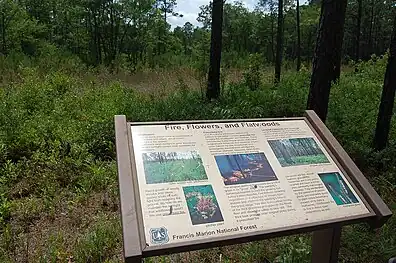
x: 298, y: 151
x: 202, y: 204
x: 338, y: 189
x: 245, y: 168
x: 167, y: 167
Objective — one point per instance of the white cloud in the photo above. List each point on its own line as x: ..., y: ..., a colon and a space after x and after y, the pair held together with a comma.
x: 190, y: 9
x: 180, y: 21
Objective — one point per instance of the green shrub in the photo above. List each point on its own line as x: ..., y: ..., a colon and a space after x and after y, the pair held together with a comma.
x: 97, y: 244
x: 252, y: 76
x: 57, y: 140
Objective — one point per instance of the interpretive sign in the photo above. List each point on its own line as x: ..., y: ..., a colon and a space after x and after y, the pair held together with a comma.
x: 205, y: 182
x: 214, y: 179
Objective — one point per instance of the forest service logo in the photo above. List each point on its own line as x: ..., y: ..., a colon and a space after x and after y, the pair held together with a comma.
x: 159, y: 235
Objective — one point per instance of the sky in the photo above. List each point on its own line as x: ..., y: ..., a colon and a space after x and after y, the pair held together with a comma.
x: 190, y: 9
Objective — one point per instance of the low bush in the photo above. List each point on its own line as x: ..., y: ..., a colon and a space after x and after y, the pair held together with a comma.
x: 57, y: 146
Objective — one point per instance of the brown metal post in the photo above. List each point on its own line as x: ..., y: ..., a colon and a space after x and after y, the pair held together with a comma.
x: 325, y: 245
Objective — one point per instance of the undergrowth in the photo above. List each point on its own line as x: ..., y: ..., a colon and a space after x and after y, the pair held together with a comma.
x: 58, y: 182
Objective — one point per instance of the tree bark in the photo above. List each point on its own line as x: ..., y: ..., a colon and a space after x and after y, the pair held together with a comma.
x: 213, y: 91
x: 279, y: 43
x: 387, y: 99
x: 358, y: 30
x: 98, y: 51
x: 4, y: 49
x: 272, y: 33
x: 327, y: 59
x: 298, y: 37
x: 370, y: 40
x: 165, y: 13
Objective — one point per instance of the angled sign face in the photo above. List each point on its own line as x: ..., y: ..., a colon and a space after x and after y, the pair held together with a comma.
x: 199, y: 181
x: 190, y: 185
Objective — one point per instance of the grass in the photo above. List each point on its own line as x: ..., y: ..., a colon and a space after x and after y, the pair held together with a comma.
x: 174, y: 171
x: 303, y: 160
x: 58, y: 177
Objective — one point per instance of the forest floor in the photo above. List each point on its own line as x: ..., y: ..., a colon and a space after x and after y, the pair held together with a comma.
x: 161, y: 81
x: 58, y: 176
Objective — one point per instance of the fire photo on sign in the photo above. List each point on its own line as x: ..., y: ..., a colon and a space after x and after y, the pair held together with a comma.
x: 299, y: 151
x: 338, y: 189
x: 167, y: 167
x: 245, y: 168
x: 202, y: 204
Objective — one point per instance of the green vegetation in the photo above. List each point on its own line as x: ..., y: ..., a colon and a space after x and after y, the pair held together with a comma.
x: 67, y: 67
x: 58, y: 170
x: 297, y: 151
x: 136, y: 37
x: 174, y: 171
x: 301, y: 160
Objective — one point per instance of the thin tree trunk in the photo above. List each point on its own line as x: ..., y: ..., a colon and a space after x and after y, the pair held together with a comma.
x: 375, y: 34
x: 387, y: 99
x: 309, y: 45
x: 4, y: 49
x: 370, y: 47
x: 164, y: 29
x: 165, y: 11
x: 88, y: 25
x: 358, y: 30
x: 327, y: 59
x: 298, y: 37
x: 213, y: 91
x: 100, y: 49
x: 279, y: 44
x: 97, y: 41
x: 272, y: 33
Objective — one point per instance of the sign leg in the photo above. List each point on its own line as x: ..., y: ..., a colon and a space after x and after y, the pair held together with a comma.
x: 325, y: 245
x: 134, y: 260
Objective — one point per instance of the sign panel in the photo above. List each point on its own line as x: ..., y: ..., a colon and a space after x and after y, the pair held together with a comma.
x: 198, y: 181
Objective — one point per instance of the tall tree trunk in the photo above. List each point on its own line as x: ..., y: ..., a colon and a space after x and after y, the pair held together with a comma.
x: 213, y: 91
x: 272, y: 33
x: 165, y: 13
x: 309, y: 44
x: 164, y: 29
x: 387, y: 99
x: 327, y: 59
x: 95, y: 39
x: 100, y: 48
x: 370, y: 41
x: 377, y: 23
x: 298, y: 37
x: 4, y: 49
x: 279, y: 43
x: 358, y: 30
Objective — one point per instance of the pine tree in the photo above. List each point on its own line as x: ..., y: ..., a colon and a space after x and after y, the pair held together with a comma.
x: 298, y: 36
x: 388, y: 98
x: 327, y: 58
x: 279, y: 44
x: 358, y: 30
x: 213, y: 91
